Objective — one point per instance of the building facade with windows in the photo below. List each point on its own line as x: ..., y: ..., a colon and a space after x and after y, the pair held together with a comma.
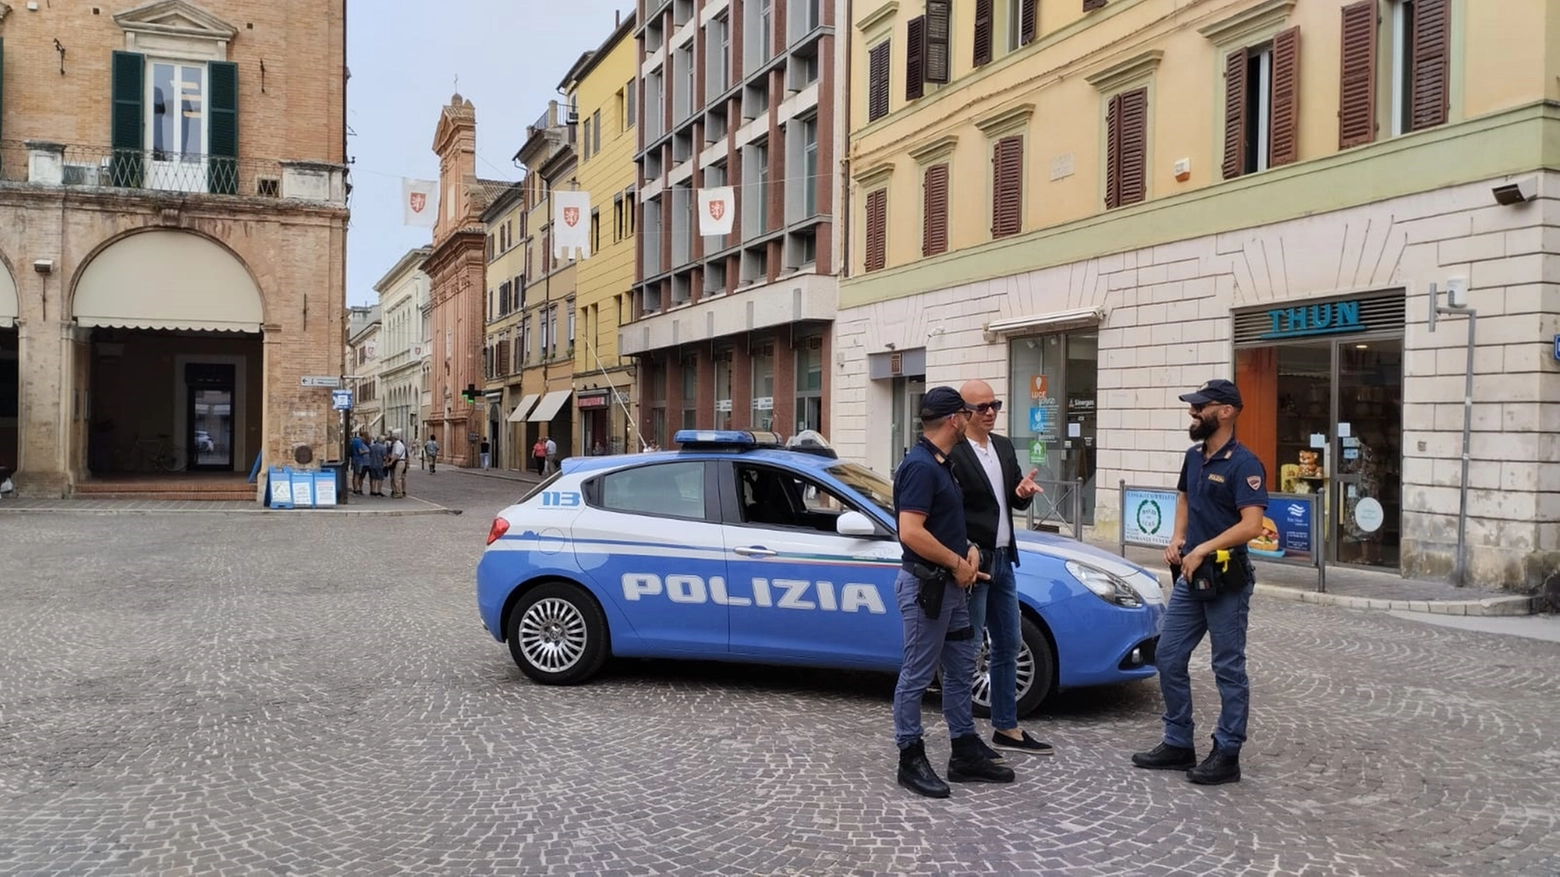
x: 602, y: 89
x: 734, y: 330
x: 364, y: 335
x: 505, y: 220
x: 1152, y: 194
x: 172, y: 237
x: 403, y: 344
x: 546, y: 320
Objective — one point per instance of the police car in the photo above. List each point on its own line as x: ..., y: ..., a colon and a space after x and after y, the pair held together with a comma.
x: 739, y: 548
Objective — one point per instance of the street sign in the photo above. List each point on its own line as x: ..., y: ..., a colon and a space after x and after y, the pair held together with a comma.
x: 341, y: 400
x: 1557, y: 347
x: 331, y: 381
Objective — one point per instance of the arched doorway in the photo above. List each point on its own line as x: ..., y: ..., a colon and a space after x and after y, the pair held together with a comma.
x: 172, y: 361
x: 10, y: 372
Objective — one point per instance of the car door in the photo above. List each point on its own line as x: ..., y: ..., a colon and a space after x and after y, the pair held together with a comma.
x: 652, y: 544
x: 800, y: 591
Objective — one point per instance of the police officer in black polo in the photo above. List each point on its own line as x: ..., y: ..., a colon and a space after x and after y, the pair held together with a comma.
x: 1222, y: 496
x: 940, y: 565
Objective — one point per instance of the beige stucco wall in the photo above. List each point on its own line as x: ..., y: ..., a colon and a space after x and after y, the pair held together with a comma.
x: 1167, y: 328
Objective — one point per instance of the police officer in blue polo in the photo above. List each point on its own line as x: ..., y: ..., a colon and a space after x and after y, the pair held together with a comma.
x: 1222, y: 497
x: 939, y: 566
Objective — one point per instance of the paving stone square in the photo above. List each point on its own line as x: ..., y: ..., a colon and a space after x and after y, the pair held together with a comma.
x: 273, y: 694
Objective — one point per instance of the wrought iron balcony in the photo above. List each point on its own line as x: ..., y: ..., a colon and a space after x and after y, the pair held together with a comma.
x: 102, y: 167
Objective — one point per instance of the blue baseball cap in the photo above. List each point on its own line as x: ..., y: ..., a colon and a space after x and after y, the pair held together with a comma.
x: 1218, y: 391
x: 940, y: 402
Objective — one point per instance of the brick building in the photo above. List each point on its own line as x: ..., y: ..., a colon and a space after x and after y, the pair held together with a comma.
x: 172, y: 233
x: 735, y: 330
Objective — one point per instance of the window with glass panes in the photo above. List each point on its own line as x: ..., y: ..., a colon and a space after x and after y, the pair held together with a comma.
x: 809, y: 384
x: 690, y: 392
x: 763, y: 361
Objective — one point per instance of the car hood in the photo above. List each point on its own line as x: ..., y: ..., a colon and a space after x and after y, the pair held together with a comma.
x: 1064, y: 548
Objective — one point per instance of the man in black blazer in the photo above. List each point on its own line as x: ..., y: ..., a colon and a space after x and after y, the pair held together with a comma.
x: 987, y: 471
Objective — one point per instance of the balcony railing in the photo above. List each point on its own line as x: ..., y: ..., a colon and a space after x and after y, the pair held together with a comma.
x: 102, y: 167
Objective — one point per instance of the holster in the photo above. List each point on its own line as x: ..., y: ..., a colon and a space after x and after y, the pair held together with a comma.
x: 932, y: 585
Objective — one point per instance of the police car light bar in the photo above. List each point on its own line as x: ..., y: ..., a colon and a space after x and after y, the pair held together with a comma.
x: 726, y: 439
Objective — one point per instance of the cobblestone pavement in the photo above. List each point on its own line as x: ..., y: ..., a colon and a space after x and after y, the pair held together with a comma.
x: 271, y: 694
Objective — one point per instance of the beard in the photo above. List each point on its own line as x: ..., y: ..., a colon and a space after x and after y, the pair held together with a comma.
x: 1203, y: 429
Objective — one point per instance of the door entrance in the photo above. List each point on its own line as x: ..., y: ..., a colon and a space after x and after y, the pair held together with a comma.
x: 908, y: 393
x: 1053, y: 383
x: 209, y: 389
x: 1326, y: 418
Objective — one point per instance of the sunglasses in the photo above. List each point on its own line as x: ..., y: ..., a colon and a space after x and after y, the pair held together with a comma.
x: 983, y: 407
x: 1198, y: 408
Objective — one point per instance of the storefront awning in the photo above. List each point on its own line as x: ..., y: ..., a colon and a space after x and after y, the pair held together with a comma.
x: 549, y: 406
x: 167, y: 279
x: 524, y: 408
x: 1055, y: 321
x: 8, y: 300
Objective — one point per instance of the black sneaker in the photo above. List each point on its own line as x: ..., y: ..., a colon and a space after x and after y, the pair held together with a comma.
x: 1025, y: 743
x: 1166, y: 757
x: 1218, y: 768
x: 968, y: 765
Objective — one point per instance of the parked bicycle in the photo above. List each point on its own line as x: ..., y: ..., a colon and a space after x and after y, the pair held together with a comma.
x: 158, y: 454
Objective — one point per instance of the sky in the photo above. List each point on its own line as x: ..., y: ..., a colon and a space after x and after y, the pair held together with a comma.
x: 404, y: 57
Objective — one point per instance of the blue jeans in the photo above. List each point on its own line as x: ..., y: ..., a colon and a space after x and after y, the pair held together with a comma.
x: 1224, y: 620
x: 927, y: 644
x: 994, y: 606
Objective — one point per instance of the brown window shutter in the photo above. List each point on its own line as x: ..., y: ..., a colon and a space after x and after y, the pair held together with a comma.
x: 1357, y: 76
x: 877, y: 228
x: 982, y: 32
x: 1431, y: 62
x: 934, y: 224
x: 1235, y: 114
x: 1132, y: 174
x: 915, y: 51
x: 1113, y: 153
x: 1285, y: 127
x: 1026, y: 22
x: 877, y: 84
x: 937, y: 52
x: 1091, y: 5
x: 1007, y: 196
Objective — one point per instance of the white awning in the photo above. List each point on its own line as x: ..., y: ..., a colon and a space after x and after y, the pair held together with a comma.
x: 8, y: 300
x: 518, y: 415
x: 550, y: 405
x: 166, y: 279
x: 1052, y: 322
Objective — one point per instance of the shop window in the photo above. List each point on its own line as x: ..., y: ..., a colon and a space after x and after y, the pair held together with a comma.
x: 809, y: 384
x: 1052, y: 421
x: 763, y: 368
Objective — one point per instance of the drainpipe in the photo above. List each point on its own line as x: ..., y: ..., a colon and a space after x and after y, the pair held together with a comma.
x: 1456, y: 298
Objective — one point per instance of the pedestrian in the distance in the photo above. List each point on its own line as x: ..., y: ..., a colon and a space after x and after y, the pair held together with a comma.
x: 431, y: 454
x: 486, y: 452
x: 398, y: 463
x: 939, y: 566
x: 987, y: 470
x: 539, y: 456
x: 377, y: 451
x: 359, y: 450
x: 551, y: 448
x: 1222, y: 495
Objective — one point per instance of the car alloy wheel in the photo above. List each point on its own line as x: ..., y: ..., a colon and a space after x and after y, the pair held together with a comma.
x: 552, y: 635
x: 1035, y: 672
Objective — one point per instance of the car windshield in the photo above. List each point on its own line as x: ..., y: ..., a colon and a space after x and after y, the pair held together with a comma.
x: 872, y: 486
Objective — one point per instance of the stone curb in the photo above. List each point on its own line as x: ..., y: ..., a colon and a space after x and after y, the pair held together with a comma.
x: 1503, y: 606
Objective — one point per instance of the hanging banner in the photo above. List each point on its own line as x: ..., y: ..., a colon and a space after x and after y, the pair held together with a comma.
x: 571, y: 226
x: 419, y: 202
x: 717, y: 210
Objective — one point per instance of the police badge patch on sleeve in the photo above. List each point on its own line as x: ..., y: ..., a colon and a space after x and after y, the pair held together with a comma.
x: 1254, y: 481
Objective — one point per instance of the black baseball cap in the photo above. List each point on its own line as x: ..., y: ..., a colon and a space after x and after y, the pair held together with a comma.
x: 1218, y: 391
x: 940, y: 402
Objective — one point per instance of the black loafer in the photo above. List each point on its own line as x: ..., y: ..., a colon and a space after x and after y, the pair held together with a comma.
x: 1024, y: 743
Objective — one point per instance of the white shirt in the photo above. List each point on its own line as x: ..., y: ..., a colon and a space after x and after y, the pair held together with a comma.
x: 552, y: 448
x: 398, y: 449
x: 987, y: 454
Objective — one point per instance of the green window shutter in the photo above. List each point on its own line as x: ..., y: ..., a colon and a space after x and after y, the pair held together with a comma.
x: 127, y: 127
x: 222, y: 163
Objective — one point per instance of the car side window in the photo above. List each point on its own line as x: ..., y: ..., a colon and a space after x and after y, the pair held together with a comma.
x: 776, y: 498
x: 670, y: 489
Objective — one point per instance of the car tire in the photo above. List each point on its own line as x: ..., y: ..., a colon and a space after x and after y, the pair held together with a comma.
x: 1036, y: 671
x: 558, y: 634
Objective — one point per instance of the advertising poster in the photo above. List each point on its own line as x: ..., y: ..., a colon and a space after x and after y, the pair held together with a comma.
x: 1148, y: 516
x: 1286, y: 530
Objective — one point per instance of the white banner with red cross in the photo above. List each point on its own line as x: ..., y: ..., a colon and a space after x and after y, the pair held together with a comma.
x: 717, y: 210
x: 571, y: 225
x: 419, y: 202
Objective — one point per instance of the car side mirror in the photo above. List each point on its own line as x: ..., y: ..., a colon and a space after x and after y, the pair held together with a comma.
x: 855, y: 524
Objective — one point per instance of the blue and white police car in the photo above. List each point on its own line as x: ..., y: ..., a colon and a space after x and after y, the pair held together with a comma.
x: 738, y: 548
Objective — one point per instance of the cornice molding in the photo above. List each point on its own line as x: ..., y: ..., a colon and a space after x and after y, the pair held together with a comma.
x: 934, y: 149
x: 878, y: 16
x: 1005, y: 121
x: 1248, y: 22
x: 872, y: 176
x: 176, y: 18
x: 1134, y: 68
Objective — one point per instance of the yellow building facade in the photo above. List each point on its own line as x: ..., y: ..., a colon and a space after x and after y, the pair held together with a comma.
x: 1097, y: 206
x: 504, y: 304
x: 601, y: 89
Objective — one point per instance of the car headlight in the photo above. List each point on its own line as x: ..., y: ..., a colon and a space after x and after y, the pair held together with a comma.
x: 1108, y: 587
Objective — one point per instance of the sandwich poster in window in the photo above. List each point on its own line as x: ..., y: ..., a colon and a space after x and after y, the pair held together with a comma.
x: 1286, y: 530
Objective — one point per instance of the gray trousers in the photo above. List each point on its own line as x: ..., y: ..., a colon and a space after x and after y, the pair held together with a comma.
x: 927, y: 645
